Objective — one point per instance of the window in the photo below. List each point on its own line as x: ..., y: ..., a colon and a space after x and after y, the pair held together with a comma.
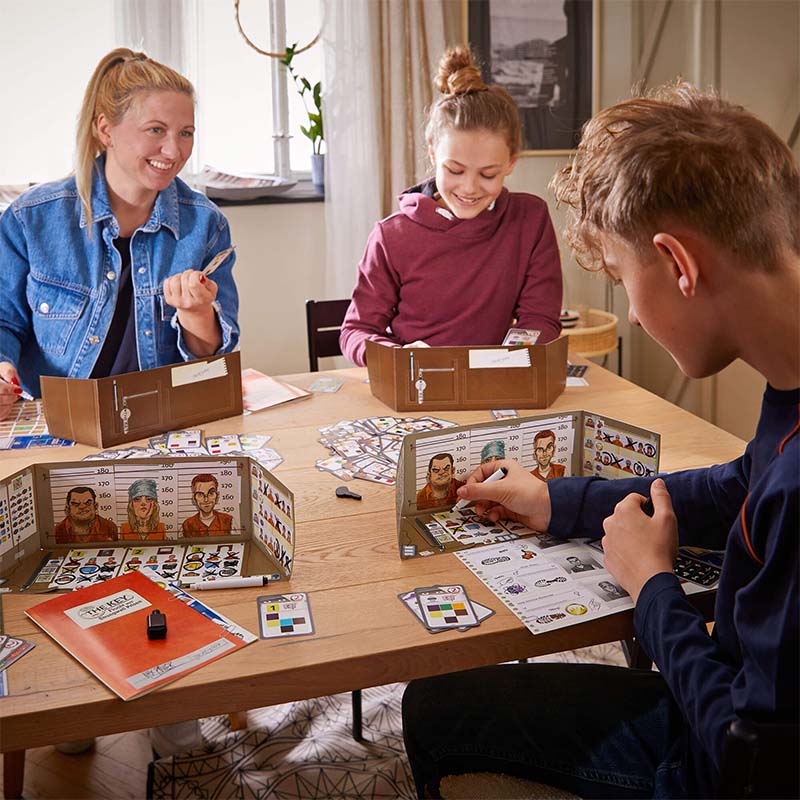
x: 41, y: 99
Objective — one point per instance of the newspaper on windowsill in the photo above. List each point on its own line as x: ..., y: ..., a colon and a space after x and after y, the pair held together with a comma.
x: 216, y: 183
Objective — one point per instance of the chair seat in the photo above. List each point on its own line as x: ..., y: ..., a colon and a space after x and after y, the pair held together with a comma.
x: 497, y: 786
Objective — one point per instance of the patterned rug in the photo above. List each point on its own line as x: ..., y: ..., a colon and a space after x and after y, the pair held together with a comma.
x: 305, y: 750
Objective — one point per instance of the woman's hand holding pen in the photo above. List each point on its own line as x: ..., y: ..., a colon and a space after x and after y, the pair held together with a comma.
x: 519, y: 496
x: 637, y: 546
x: 192, y: 294
x: 10, y: 390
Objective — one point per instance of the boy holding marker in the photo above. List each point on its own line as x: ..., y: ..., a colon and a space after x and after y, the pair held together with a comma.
x: 692, y: 204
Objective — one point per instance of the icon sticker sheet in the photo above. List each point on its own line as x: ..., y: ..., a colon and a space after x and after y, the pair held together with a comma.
x: 164, y: 560
x: 369, y: 448
x: 84, y: 567
x: 284, y: 615
x: 205, y: 561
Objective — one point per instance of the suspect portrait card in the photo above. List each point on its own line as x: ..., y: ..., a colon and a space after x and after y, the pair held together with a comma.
x: 284, y: 615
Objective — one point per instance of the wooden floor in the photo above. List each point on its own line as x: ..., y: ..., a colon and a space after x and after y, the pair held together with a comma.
x: 116, y: 767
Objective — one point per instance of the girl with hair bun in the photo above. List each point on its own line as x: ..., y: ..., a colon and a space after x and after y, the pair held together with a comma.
x: 463, y: 257
x: 102, y: 270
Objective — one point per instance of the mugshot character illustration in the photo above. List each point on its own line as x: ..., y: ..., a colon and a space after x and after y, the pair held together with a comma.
x: 82, y: 523
x: 575, y: 564
x: 611, y: 590
x: 143, y: 512
x: 441, y: 484
x: 207, y: 521
x: 493, y: 451
x: 544, y: 448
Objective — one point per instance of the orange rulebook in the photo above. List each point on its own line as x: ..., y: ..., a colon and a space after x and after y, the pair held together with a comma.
x: 104, y: 626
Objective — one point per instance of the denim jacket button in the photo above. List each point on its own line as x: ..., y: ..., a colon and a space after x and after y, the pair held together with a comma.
x: 148, y: 332
x: 44, y: 308
x: 94, y: 340
x: 141, y: 270
x: 111, y: 274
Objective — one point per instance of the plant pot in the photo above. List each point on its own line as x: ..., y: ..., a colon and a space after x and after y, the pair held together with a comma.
x: 318, y: 170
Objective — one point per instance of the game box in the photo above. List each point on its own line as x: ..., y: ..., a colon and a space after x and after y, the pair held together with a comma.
x: 104, y: 412
x: 464, y: 378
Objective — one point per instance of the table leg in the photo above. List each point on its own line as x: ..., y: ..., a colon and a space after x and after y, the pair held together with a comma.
x: 238, y: 720
x: 13, y: 774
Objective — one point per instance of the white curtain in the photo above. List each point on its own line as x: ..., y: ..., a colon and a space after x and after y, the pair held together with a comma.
x: 379, y: 61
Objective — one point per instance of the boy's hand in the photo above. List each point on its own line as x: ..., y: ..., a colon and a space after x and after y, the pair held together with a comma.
x: 190, y: 291
x: 9, y: 388
x: 518, y: 496
x: 637, y: 547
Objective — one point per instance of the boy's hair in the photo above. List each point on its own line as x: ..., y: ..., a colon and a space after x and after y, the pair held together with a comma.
x: 468, y: 104
x: 117, y: 79
x: 681, y: 156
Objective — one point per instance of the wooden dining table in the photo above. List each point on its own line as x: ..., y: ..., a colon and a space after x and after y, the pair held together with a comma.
x: 347, y: 560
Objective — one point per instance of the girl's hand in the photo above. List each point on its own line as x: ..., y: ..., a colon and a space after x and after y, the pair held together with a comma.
x: 636, y: 546
x: 190, y: 291
x: 9, y: 388
x: 519, y: 496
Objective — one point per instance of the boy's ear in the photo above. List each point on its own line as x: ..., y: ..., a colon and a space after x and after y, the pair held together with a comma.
x: 683, y: 261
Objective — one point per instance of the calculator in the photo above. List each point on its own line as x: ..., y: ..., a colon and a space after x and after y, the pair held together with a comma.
x: 702, y: 567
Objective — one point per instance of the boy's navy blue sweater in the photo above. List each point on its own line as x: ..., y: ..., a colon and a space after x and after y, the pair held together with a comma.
x: 749, y: 666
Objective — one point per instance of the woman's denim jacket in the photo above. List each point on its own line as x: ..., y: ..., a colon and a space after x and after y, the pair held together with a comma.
x: 58, y: 286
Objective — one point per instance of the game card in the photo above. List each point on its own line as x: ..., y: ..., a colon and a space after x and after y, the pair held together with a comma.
x: 12, y: 650
x: 326, y: 384
x: 253, y: 441
x: 505, y: 413
x: 284, y: 615
x: 222, y: 445
x: 521, y: 336
x: 445, y: 607
x: 181, y: 440
x: 409, y: 600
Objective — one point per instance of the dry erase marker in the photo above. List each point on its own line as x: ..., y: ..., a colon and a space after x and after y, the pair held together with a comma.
x: 235, y: 583
x: 495, y: 476
x: 23, y: 394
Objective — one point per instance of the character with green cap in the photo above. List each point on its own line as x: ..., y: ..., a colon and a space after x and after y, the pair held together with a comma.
x: 143, y: 513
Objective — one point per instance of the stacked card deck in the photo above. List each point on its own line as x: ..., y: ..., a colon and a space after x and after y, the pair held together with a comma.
x: 444, y: 608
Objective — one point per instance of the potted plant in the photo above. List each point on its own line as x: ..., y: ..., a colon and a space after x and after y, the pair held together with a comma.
x: 314, y: 131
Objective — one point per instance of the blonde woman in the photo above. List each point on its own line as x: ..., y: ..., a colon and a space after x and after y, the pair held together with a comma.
x: 143, y: 513
x: 102, y: 271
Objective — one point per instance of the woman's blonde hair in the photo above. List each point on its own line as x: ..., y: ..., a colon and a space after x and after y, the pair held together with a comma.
x: 150, y: 525
x: 681, y: 155
x: 117, y: 79
x: 468, y: 104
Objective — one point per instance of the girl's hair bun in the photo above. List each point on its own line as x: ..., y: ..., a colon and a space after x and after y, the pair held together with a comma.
x: 458, y: 73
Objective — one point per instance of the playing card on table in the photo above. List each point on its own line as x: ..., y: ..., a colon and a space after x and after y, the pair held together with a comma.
x: 446, y: 607
x: 326, y: 384
x: 505, y: 413
x: 409, y: 599
x: 337, y: 466
x: 221, y: 445
x: 253, y: 441
x: 180, y: 440
x: 284, y: 615
x: 12, y: 650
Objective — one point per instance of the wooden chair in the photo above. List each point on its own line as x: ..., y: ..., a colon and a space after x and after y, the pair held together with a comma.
x: 323, y: 322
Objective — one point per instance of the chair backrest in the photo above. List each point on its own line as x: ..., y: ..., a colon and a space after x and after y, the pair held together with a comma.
x: 324, y: 321
x: 760, y: 761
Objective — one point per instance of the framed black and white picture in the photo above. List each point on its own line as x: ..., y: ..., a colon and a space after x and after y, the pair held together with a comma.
x: 545, y: 54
